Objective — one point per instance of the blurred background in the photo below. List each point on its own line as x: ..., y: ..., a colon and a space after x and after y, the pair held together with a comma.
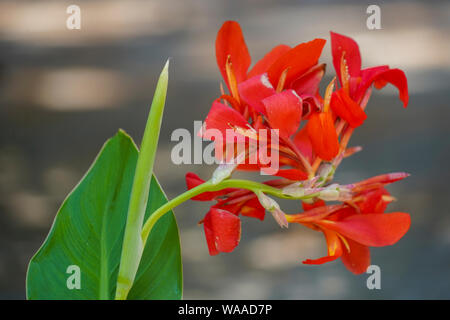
x: 64, y: 92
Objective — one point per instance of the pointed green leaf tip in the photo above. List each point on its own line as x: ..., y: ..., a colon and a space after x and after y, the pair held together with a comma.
x: 133, y: 245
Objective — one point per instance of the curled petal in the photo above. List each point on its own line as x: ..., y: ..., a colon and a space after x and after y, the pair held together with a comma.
x: 230, y: 42
x: 222, y: 231
x: 347, y: 109
x: 397, y: 78
x: 380, y: 76
x: 322, y: 133
x: 284, y: 112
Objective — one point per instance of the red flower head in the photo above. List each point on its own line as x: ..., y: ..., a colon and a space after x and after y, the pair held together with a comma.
x: 281, y: 92
x: 346, y: 102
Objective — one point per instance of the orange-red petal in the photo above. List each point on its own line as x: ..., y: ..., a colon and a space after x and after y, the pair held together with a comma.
x: 308, y: 83
x: 374, y: 230
x: 254, y: 90
x: 298, y: 60
x: 334, y: 246
x: 357, y: 260
x: 322, y: 133
x: 284, y: 112
x: 223, y: 118
x: 222, y: 231
x: 230, y: 42
x: 291, y: 174
x: 340, y: 45
x: 397, y: 78
x: 303, y: 143
x: 347, y: 109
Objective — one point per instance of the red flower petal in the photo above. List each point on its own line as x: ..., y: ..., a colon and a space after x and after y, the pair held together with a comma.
x: 299, y: 60
x: 341, y: 44
x: 374, y: 230
x: 381, y: 179
x: 222, y: 231
x: 303, y: 143
x: 263, y: 65
x: 322, y: 133
x: 347, y: 109
x: 358, y: 259
x: 334, y: 248
x: 230, y: 41
x: 382, y: 75
x: 254, y: 90
x: 252, y: 208
x: 316, y: 214
x: 284, y: 112
x: 397, y: 78
x: 223, y: 118
x: 291, y: 174
x: 366, y: 81
x: 308, y: 83
x: 373, y: 201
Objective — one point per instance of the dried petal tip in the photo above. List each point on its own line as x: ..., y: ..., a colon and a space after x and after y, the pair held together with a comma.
x: 280, y: 218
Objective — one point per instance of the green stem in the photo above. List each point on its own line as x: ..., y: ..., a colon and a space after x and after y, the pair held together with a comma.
x: 133, y: 246
x: 208, y: 186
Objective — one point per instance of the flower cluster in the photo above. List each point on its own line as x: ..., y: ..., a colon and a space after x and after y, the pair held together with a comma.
x: 281, y: 92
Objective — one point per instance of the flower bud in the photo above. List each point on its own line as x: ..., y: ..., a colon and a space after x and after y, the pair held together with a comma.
x: 272, y: 206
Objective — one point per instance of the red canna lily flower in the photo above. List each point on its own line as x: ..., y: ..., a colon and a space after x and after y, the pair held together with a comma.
x: 281, y: 93
x: 350, y: 233
x: 221, y: 223
x: 356, y: 81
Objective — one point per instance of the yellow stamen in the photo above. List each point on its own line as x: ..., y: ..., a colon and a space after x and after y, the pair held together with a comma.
x: 282, y: 80
x: 387, y: 198
x: 232, y: 79
x: 347, y: 246
x: 344, y: 74
x: 328, y: 93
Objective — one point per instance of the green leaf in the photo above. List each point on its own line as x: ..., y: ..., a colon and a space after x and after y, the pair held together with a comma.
x: 88, y: 232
